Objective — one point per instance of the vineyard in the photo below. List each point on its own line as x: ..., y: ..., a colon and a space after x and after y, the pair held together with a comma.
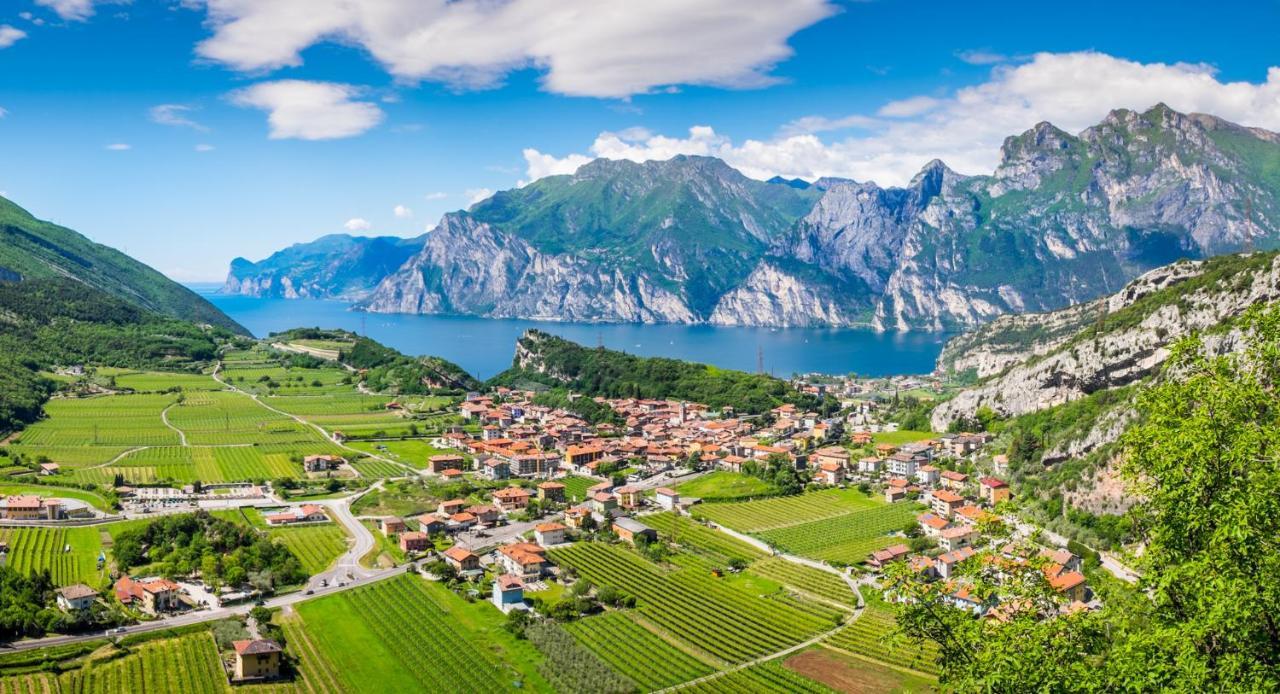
x: 187, y: 664
x: 414, y: 452
x: 846, y: 539
x: 369, y: 467
x: 783, y: 511
x: 636, y: 652
x: 691, y: 534
x: 113, y: 420
x: 806, y: 579
x: 725, y: 622
x: 871, y: 635
x: 315, y: 546
x: 765, y: 678
x: 397, y: 635
x: 158, y: 382
x: 231, y: 418
x: 70, y: 554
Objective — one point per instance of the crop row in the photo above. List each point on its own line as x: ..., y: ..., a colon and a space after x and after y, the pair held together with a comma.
x: 847, y: 538
x: 187, y: 664
x: 637, y: 652
x: 378, y: 468
x: 806, y: 579
x: 689, y: 533
x: 720, y: 620
x: 37, y: 549
x: 872, y: 635
x: 765, y: 678
x: 315, y: 546
x: 783, y: 511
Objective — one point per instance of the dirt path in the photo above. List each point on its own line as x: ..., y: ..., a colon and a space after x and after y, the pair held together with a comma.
x: 164, y: 417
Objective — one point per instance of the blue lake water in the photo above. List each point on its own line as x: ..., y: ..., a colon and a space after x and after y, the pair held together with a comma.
x: 485, y: 346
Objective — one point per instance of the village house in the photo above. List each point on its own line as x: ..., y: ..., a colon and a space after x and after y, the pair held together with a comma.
x: 870, y: 465
x: 831, y: 454
x: 944, y: 502
x: 496, y: 469
x: 322, y: 463
x: 462, y: 521
x: 462, y: 559
x: 883, y: 557
x: 1063, y: 558
x: 629, y: 529
x: 1069, y: 584
x: 432, y: 523
x: 993, y: 490
x: 511, y: 499
x: 153, y: 597
x: 955, y: 481
x: 884, y: 450
x: 485, y: 514
x: 604, y: 503
x: 577, y: 457
x: 392, y: 526
x: 903, y: 464
x: 964, y: 599
x: 551, y: 491
x: 948, y: 561
x: 256, y: 659
x: 416, y: 541
x: 523, y: 559
x: 451, y: 475
x: 574, y: 517
x: 932, y: 524
x: 76, y: 597
x: 437, y: 464
x: 969, y: 515
x: 547, y: 534
x: 508, y: 593
x: 306, y: 513
x: 954, y: 538
x: 31, y: 507
x: 450, y: 507
x: 630, y: 496
x: 830, y: 473
x: 927, y: 475
x: 47, y: 469
x: 667, y: 498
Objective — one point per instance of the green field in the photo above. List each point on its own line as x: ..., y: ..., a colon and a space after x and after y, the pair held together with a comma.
x: 806, y: 579
x: 316, y: 546
x: 691, y: 534
x: 780, y: 512
x: 182, y: 665
x: 871, y: 636
x: 897, y: 438
x: 158, y: 382
x: 414, y: 452
x: 722, y: 485
x: 575, y: 487
x: 92, y: 498
x: 405, y: 634
x: 636, y: 652
x: 692, y: 605
x: 70, y: 554
x: 766, y: 678
x: 846, y: 539
x: 108, y: 420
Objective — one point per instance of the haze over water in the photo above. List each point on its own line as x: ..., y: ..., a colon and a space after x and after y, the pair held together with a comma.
x: 484, y: 346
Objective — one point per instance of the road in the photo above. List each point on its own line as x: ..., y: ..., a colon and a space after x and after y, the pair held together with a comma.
x: 347, y: 567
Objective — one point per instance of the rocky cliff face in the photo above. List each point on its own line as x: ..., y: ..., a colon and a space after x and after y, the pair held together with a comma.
x: 1063, y: 220
x: 1034, y: 362
x: 336, y: 266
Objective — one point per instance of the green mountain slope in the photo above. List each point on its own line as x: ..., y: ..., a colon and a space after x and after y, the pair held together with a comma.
x: 33, y: 249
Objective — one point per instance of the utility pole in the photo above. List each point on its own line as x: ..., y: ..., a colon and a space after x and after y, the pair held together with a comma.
x: 599, y: 339
x: 759, y: 359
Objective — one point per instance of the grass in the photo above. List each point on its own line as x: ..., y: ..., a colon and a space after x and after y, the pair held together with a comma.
x: 386, y: 551
x: 780, y: 512
x: 316, y: 546
x: 405, y: 634
x: 634, y: 651
x: 92, y: 498
x: 415, y: 452
x: 722, y: 485
x: 575, y: 487
x: 897, y: 438
x: 70, y: 554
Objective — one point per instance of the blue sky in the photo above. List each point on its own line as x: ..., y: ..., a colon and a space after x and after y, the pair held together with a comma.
x: 188, y: 132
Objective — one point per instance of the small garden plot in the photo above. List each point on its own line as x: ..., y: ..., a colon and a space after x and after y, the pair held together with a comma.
x: 847, y: 673
x: 783, y: 511
x: 687, y: 532
x: 807, y: 579
x: 636, y: 652
x: 846, y: 539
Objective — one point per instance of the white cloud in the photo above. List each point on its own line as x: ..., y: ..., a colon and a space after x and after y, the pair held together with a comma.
x: 820, y: 124
x: 982, y: 56
x: 119, y: 147
x: 402, y: 212
x: 437, y: 195
x: 204, y: 148
x: 3, y: 112
x: 310, y: 110
x: 964, y: 129
x: 10, y: 35
x: 358, y: 224
x: 175, y: 115
x: 75, y: 10
x: 475, y: 195
x: 603, y: 48
x: 906, y: 108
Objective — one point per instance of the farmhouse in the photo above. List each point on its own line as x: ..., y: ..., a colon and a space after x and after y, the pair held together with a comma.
x: 883, y: 557
x: 322, y: 463
x: 450, y: 507
x: 432, y: 523
x: 48, y: 469
x: 76, y: 597
x: 830, y: 473
x: 629, y: 529
x: 462, y: 559
x: 508, y: 593
x: 306, y: 513
x: 415, y: 542
x: 548, y: 534
x: 667, y: 498
x: 256, y: 659
x: 392, y: 526
x: 153, y: 597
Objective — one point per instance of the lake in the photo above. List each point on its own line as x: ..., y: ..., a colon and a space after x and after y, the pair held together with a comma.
x: 484, y: 346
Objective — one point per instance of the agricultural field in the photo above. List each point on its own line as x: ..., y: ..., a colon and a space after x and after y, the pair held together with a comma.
x: 783, y: 511
x: 233, y: 418
x: 846, y: 539
x: 766, y: 678
x: 272, y: 379
x: 70, y: 554
x: 695, y: 607
x: 405, y: 634
x: 316, y: 546
x: 575, y: 487
x: 369, y: 467
x: 806, y: 579
x: 847, y: 673
x: 186, y: 664
x: 414, y: 452
x: 897, y: 438
x: 91, y: 498
x: 722, y: 485
x: 691, y: 534
x: 871, y: 636
x: 634, y: 651
x: 158, y: 381
x: 108, y: 420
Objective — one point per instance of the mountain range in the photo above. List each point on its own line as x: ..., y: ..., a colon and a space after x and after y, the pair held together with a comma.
x: 1063, y: 219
